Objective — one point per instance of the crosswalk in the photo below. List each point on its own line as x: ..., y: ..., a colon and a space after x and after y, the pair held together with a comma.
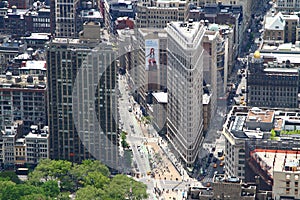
x: 207, y: 179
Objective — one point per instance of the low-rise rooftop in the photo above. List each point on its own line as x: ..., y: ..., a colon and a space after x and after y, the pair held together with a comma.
x: 22, y: 81
x: 161, y: 97
x: 277, y: 160
x: 259, y: 115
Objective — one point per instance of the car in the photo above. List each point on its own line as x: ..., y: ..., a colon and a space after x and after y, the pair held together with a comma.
x: 222, y: 158
x: 215, y: 165
x: 213, y: 149
x: 129, y: 108
x: 209, y: 160
x: 221, y: 164
x: 211, y: 155
x: 220, y: 153
x: 214, y: 160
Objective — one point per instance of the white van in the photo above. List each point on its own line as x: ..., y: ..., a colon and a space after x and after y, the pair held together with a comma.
x: 129, y: 108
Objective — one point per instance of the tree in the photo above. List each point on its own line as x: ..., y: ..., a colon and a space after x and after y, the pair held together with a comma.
x: 35, y: 197
x: 51, y: 169
x: 121, y: 187
x: 96, y: 179
x: 68, y: 183
x: 59, y: 168
x: 123, y: 140
x: 43, y: 170
x: 80, y: 171
x: 89, y: 193
x: 35, y: 177
x: 11, y: 176
x: 15, y: 192
x: 6, y: 187
x: 64, y: 196
x: 51, y: 188
x: 124, y: 144
x: 147, y: 119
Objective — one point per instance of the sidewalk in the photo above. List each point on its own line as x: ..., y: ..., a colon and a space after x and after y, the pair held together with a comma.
x: 163, y: 168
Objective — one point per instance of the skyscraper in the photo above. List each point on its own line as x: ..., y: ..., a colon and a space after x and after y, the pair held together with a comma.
x: 185, y: 80
x: 82, y: 100
x: 65, y: 17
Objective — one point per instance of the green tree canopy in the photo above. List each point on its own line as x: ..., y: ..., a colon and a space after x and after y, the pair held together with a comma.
x: 63, y: 196
x: 82, y: 170
x: 89, y: 192
x: 35, y: 197
x: 51, y: 188
x: 54, y: 179
x: 5, y: 188
x: 10, y: 176
x: 121, y: 186
x: 96, y: 179
x: 17, y: 191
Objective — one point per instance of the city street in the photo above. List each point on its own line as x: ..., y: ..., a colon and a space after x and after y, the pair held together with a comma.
x: 168, y: 176
x: 135, y: 136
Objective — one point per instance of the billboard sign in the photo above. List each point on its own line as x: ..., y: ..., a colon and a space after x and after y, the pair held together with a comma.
x: 152, y: 54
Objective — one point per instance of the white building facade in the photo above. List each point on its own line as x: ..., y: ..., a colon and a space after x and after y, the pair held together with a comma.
x: 184, y: 83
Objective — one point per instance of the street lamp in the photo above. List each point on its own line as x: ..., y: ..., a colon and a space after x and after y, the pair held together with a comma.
x: 130, y: 190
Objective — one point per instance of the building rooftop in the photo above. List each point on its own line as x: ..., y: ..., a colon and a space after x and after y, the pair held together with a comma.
x: 282, y: 57
x: 283, y: 70
x: 259, y: 115
x: 161, y: 97
x: 146, y: 31
x: 34, y: 64
x: 38, y: 133
x: 280, y: 120
x: 186, y: 34
x: 206, y: 99
x: 22, y: 81
x: 38, y: 36
x: 91, y: 14
x: 222, y: 178
x: 290, y: 17
x: 212, y: 8
x: 171, y: 1
x: 274, y: 21
x: 277, y: 160
x: 66, y: 40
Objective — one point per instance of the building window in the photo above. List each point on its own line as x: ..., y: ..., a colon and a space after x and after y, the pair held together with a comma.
x: 287, y: 191
x: 296, y: 184
x: 288, y: 184
x: 296, y: 191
